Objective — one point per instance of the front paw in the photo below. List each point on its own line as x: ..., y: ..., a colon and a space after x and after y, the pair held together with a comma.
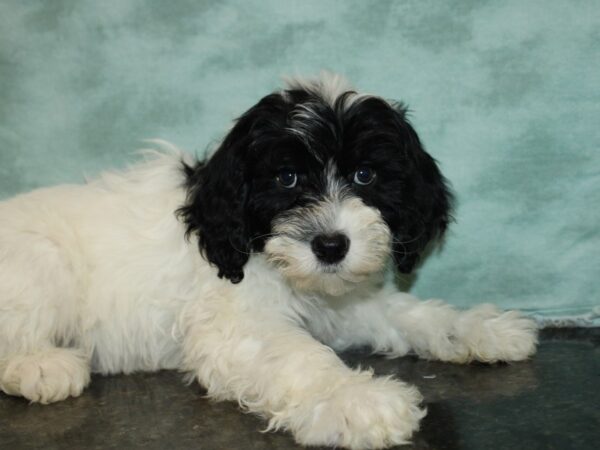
x: 373, y: 413
x: 46, y: 377
x: 491, y: 335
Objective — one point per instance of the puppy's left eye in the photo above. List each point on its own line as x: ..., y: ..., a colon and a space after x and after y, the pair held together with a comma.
x: 364, y: 176
x: 287, y: 178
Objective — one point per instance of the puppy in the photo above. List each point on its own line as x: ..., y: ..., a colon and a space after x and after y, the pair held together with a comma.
x: 247, y: 271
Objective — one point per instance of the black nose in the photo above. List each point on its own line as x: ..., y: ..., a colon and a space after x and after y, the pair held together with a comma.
x: 330, y: 248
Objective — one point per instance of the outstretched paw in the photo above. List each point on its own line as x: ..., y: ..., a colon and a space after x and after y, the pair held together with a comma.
x: 491, y: 335
x: 376, y: 413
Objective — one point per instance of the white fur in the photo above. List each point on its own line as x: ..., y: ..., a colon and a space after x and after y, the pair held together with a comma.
x: 100, y: 277
x: 328, y: 85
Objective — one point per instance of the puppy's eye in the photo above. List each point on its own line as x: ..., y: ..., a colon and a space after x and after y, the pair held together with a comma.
x: 364, y: 176
x: 287, y: 178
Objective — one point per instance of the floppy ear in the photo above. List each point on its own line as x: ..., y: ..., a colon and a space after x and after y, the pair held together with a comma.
x: 428, y: 203
x: 218, y: 190
x: 215, y: 207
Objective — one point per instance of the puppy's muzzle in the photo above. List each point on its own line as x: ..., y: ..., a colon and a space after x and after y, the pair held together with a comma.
x: 330, y: 248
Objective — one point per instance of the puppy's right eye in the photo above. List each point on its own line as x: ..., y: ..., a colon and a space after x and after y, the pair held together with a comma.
x: 287, y: 178
x: 364, y: 176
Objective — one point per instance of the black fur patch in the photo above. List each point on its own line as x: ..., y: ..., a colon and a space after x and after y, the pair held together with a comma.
x: 233, y: 197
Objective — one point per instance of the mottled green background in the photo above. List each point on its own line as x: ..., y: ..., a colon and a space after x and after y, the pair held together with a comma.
x: 505, y: 94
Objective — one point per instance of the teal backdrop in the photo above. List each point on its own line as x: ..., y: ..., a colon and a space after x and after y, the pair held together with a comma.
x: 505, y: 95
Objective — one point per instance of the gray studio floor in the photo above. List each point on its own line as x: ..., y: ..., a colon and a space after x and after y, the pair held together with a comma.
x: 551, y: 402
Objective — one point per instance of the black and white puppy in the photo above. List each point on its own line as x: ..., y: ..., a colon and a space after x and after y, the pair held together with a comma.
x: 247, y: 269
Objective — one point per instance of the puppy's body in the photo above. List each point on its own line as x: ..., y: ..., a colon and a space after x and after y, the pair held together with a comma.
x: 117, y: 273
x: 101, y: 277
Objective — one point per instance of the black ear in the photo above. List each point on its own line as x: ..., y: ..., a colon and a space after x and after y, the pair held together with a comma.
x: 218, y: 190
x: 215, y: 207
x: 428, y: 202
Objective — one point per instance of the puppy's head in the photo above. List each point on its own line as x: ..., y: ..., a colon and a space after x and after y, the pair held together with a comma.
x: 329, y: 184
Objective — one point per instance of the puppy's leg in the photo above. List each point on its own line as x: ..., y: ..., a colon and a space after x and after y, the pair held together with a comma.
x: 273, y: 367
x: 436, y: 330
x: 38, y: 312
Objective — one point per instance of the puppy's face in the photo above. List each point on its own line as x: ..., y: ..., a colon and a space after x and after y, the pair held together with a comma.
x: 327, y: 183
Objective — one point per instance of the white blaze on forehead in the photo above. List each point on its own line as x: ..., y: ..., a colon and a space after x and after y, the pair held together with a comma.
x: 303, y: 117
x: 335, y: 187
x: 327, y: 85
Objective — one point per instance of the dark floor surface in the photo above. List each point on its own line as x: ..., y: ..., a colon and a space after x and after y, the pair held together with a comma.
x: 551, y: 402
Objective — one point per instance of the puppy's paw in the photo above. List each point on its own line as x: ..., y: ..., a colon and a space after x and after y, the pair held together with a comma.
x: 492, y: 335
x: 374, y: 413
x: 46, y: 377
